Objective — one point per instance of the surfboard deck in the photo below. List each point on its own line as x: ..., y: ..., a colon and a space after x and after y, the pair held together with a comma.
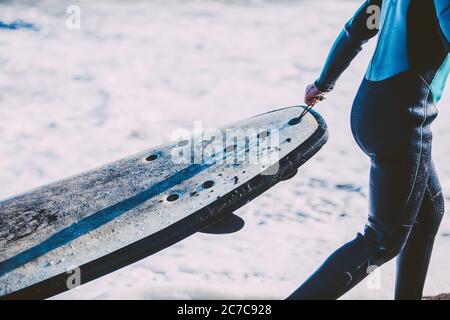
x: 102, y: 220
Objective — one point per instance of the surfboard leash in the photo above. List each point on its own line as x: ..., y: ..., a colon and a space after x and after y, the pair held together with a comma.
x: 309, y: 108
x: 305, y: 111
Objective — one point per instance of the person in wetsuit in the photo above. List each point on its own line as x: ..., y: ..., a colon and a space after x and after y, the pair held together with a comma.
x: 390, y: 120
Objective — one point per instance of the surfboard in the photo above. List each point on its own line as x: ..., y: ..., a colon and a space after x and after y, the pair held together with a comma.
x: 70, y: 232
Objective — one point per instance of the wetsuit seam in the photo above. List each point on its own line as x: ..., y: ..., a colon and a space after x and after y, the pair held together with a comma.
x: 426, y: 83
x: 416, y: 173
x: 437, y: 195
x: 430, y: 193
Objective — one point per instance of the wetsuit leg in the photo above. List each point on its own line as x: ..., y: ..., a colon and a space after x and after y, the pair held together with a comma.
x: 392, y: 126
x: 412, y: 263
x: 383, y: 237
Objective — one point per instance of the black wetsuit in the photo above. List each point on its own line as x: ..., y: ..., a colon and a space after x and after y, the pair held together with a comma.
x: 391, y: 119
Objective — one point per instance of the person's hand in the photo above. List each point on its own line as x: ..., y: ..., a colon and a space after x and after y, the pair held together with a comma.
x: 313, y: 95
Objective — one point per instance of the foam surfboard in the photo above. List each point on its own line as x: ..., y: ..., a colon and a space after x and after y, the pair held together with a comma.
x: 70, y: 232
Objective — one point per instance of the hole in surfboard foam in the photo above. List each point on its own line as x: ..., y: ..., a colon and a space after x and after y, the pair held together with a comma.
x: 294, y: 121
x: 207, y: 184
x: 152, y: 157
x: 173, y: 197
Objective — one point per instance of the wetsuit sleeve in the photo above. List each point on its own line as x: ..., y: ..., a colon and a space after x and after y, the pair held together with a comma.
x: 443, y: 15
x: 349, y: 43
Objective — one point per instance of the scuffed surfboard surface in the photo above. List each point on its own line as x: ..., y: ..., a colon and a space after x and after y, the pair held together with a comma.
x: 55, y: 228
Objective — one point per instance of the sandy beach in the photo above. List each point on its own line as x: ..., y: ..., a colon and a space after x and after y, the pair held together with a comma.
x: 74, y: 99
